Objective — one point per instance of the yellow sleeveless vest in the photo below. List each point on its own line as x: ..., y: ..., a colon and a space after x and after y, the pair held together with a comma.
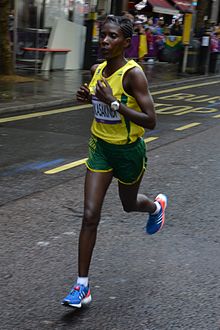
x: 110, y: 125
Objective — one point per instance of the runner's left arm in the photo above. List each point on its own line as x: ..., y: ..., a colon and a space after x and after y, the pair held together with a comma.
x: 135, y: 84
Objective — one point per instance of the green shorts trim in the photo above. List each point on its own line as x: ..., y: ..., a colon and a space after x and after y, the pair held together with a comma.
x: 127, y: 161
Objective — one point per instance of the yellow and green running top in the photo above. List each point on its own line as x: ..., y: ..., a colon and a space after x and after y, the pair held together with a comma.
x: 110, y: 125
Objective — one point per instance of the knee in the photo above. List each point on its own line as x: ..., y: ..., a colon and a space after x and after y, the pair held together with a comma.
x: 90, y: 219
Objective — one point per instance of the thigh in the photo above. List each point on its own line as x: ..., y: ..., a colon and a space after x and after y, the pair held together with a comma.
x: 96, y: 185
x: 129, y: 162
x: 97, y: 160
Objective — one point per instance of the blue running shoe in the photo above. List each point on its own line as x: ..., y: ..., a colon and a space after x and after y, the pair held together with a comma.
x: 156, y: 221
x: 79, y: 295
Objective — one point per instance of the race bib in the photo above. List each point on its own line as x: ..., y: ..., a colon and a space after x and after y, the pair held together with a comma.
x: 103, y: 113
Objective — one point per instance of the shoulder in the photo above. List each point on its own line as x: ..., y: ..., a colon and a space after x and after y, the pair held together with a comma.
x: 93, y: 69
x: 135, y: 81
x: 96, y: 66
x: 133, y: 68
x: 135, y: 74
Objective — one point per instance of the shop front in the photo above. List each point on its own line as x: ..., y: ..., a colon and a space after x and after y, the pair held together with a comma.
x: 37, y: 24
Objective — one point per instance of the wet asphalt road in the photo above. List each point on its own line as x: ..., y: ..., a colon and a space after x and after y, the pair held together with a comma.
x: 167, y: 281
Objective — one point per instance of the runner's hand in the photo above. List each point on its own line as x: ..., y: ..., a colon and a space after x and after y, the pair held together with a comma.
x: 104, y: 91
x: 83, y: 94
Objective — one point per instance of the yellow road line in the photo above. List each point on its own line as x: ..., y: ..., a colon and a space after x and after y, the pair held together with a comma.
x: 66, y: 166
x: 216, y: 116
x: 82, y: 161
x: 150, y: 139
x: 44, y: 113
x: 182, y: 128
x: 185, y: 87
x: 87, y: 106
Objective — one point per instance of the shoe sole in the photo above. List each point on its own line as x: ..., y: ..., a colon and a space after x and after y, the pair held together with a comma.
x: 85, y: 301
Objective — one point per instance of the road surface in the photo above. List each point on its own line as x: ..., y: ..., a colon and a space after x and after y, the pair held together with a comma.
x: 167, y: 281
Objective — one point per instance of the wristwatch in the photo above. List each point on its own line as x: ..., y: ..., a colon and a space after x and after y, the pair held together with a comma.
x: 115, y: 105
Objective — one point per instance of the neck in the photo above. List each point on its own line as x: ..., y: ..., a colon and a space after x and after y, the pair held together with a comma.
x: 113, y: 65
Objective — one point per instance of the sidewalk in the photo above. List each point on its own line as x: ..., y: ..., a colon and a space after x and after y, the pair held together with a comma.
x: 58, y: 88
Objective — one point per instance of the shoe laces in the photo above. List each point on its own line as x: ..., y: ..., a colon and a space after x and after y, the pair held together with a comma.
x: 74, y: 289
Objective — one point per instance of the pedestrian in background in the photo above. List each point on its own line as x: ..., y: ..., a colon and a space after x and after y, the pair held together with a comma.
x: 142, y: 46
x: 11, y: 19
x: 176, y: 28
x: 123, y: 109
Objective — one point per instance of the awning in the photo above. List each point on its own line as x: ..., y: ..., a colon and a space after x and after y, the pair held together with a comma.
x: 163, y: 7
x: 183, y: 5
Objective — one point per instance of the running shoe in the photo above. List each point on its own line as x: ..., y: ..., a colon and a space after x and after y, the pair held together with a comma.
x: 156, y: 221
x: 79, y: 295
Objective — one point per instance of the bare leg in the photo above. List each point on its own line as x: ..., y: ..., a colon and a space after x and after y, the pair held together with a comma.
x: 132, y: 201
x: 96, y: 185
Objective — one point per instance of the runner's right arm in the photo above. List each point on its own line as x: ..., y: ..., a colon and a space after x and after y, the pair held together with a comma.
x: 83, y: 93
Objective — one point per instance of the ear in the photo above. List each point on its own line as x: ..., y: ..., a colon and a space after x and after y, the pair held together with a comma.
x: 127, y: 42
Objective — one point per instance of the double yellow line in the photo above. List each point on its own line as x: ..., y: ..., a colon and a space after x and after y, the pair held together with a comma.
x: 87, y: 106
x: 43, y: 113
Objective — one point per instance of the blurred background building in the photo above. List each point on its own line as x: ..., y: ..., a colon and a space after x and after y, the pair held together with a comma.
x: 75, y: 24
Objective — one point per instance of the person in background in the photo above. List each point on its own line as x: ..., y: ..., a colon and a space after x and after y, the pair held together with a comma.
x: 176, y: 28
x: 150, y: 39
x: 11, y: 19
x: 214, y: 42
x: 159, y: 27
x: 128, y: 15
x: 142, y: 48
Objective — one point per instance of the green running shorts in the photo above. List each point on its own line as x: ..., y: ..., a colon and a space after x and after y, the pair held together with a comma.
x: 127, y: 161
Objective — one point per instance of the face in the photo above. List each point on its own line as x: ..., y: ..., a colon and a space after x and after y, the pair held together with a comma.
x: 112, y: 41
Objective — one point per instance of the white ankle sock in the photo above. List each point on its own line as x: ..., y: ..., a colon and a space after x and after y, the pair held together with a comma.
x: 158, y: 207
x: 83, y: 280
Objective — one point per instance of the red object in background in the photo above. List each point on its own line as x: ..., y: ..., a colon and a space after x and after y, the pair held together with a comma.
x: 131, y: 5
x: 160, y: 3
x: 183, y: 5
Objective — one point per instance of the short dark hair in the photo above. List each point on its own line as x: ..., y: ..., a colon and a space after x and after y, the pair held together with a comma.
x: 123, y: 22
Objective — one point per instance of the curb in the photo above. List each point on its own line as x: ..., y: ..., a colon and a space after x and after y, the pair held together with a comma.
x: 68, y: 102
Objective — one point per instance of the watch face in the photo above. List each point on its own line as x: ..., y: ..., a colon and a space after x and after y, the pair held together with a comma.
x: 115, y: 105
